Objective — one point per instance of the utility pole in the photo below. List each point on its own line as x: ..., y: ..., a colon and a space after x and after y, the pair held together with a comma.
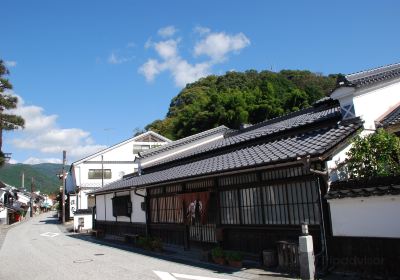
x: 31, y: 200
x: 63, y: 189
x: 23, y: 180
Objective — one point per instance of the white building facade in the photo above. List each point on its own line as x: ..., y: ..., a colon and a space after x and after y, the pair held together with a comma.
x: 106, y: 166
x: 370, y: 95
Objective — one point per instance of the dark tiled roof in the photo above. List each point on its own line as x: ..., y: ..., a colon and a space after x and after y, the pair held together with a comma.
x: 315, y: 143
x: 392, y: 118
x: 364, y: 192
x: 364, y: 188
x: 262, y: 130
x: 372, y: 76
x: 183, y: 141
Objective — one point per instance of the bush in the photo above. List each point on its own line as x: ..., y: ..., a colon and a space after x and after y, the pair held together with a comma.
x: 156, y: 244
x: 149, y: 243
x: 217, y: 252
x: 375, y: 155
x: 234, y: 256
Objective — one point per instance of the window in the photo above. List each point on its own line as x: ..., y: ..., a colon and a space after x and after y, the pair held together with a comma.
x: 348, y: 111
x: 279, y: 204
x: 166, y: 210
x: 96, y: 173
x: 122, y: 206
x: 229, y: 207
x: 250, y: 202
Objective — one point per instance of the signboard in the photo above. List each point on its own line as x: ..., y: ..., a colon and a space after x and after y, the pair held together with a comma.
x: 72, y: 205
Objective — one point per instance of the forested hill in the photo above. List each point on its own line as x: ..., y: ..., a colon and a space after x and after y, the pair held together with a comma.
x: 241, y: 97
x: 45, y: 176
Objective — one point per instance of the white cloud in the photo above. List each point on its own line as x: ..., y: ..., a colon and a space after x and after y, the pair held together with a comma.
x: 218, y: 45
x: 182, y: 71
x: 10, y: 63
x: 201, y: 30
x: 150, y: 69
x: 167, y: 49
x: 42, y: 134
x: 167, y: 31
x: 33, y: 160
x: 116, y: 58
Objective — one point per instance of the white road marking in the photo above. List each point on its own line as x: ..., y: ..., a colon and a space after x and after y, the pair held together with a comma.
x: 167, y: 276
x: 50, y: 234
x: 164, y: 275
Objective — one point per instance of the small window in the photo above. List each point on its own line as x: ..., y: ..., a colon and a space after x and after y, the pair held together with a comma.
x: 348, y: 111
x: 122, y: 206
x: 97, y: 173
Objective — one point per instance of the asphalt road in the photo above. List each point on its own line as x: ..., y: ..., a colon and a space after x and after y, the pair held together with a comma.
x: 40, y: 249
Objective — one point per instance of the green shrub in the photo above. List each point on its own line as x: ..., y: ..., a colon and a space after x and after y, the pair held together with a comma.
x: 156, y: 244
x: 149, y: 243
x: 234, y: 256
x: 217, y: 252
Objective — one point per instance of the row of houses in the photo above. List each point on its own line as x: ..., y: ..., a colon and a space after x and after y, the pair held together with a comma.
x: 250, y: 188
x: 16, y: 203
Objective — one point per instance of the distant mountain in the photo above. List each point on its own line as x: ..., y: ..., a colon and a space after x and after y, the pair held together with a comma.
x: 44, y: 174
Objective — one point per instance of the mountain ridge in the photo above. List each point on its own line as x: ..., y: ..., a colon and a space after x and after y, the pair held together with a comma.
x: 44, y: 176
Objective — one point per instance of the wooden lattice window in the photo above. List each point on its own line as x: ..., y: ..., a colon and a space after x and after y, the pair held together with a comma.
x: 122, y: 206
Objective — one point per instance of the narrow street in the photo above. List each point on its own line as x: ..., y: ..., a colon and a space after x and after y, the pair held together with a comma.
x: 41, y: 249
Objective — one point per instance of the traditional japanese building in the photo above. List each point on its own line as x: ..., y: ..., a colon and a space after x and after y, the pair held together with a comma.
x: 250, y: 188
x: 246, y: 189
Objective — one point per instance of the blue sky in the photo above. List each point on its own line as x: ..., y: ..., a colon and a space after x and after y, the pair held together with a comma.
x: 90, y: 72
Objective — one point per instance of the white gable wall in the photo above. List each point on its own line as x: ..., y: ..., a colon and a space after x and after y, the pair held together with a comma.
x: 119, y: 159
x: 370, y: 103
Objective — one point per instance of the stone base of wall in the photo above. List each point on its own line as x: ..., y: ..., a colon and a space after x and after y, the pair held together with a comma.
x: 365, y: 256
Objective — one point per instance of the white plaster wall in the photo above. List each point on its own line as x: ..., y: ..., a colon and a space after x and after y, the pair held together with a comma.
x: 100, y: 208
x: 4, y: 216
x: 109, y: 212
x: 123, y: 153
x: 82, y: 199
x: 372, y: 104
x: 333, y: 165
x: 375, y: 216
x: 138, y: 215
x: 88, y: 220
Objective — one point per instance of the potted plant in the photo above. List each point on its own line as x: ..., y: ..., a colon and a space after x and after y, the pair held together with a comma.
x: 234, y: 259
x: 156, y: 244
x: 218, y: 255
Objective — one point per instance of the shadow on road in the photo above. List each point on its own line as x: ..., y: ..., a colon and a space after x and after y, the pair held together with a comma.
x: 50, y: 221
x: 167, y: 255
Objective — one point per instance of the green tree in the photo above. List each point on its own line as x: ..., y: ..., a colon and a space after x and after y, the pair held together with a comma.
x: 375, y: 155
x: 7, y: 101
x: 240, y: 97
